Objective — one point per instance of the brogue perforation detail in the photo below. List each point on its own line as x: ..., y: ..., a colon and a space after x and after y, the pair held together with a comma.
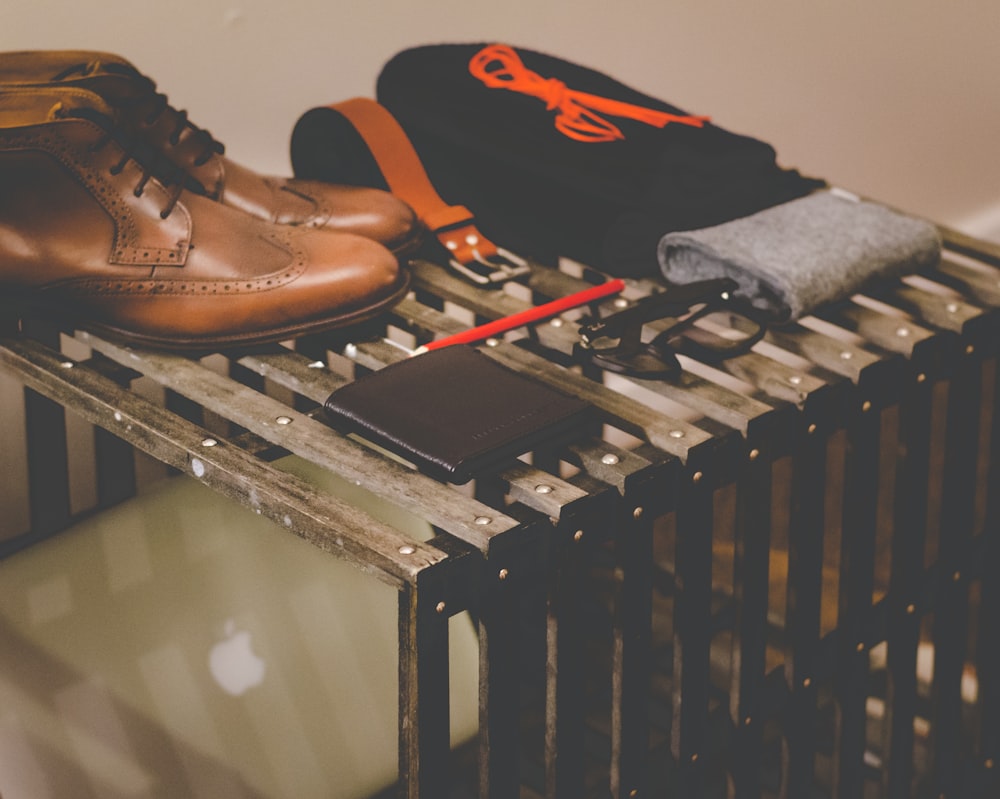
x: 175, y: 287
x: 126, y: 248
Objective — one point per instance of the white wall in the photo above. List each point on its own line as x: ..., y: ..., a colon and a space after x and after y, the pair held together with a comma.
x: 898, y: 99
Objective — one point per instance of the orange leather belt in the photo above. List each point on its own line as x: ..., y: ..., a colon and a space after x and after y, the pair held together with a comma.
x: 472, y: 254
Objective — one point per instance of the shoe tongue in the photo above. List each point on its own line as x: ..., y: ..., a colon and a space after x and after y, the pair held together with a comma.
x: 69, y: 103
x: 42, y: 105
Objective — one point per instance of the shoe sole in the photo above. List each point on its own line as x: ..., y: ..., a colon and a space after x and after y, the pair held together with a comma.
x: 213, y: 343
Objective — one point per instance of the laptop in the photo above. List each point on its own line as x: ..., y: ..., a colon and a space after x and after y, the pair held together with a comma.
x: 179, y: 645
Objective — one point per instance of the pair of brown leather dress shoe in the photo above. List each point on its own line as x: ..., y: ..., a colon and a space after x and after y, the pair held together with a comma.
x: 121, y: 216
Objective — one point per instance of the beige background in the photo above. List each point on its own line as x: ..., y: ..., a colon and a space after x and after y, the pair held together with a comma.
x: 898, y: 99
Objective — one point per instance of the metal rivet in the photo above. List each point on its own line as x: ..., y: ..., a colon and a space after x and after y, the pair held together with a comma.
x: 911, y: 608
x: 696, y: 477
x: 578, y: 535
x: 197, y: 467
x: 483, y: 520
x: 921, y: 377
x: 451, y: 245
x: 503, y: 574
x: 637, y: 513
x: 846, y: 356
x: 811, y: 429
x: 754, y: 454
x: 725, y: 295
x: 676, y: 434
x: 951, y: 307
x: 66, y: 364
x: 440, y: 607
x: 988, y: 763
x: 902, y: 332
x: 209, y: 442
x: 795, y: 380
x: 969, y: 349
x: 621, y: 302
x: 747, y: 721
x: 860, y: 647
x: 118, y: 416
x: 866, y: 406
x: 406, y: 549
x: 806, y: 682
x: 557, y: 322
x: 472, y: 240
x: 543, y: 489
x: 694, y: 758
x: 610, y: 459
x: 350, y: 350
x: 634, y: 792
x: 317, y: 365
x: 492, y: 342
x: 284, y: 420
x: 956, y: 576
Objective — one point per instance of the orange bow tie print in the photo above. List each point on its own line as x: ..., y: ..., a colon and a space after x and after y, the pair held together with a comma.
x: 578, y: 114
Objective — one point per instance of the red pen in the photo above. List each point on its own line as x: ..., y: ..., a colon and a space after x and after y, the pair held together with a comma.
x: 536, y: 314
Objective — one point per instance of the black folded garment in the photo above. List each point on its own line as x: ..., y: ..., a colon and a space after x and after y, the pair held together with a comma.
x: 557, y: 159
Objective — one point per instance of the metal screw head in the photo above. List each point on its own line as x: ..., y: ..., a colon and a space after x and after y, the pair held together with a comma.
x: 543, y: 489
x: 578, y: 535
x: 209, y: 442
x: 696, y: 477
x: 557, y: 322
x: 483, y: 520
x: 846, y: 355
x: 492, y: 342
x: 440, y: 607
x: 406, y: 549
x: 969, y: 349
x: 503, y: 574
x: 284, y: 420
x: 795, y: 380
x: 811, y: 429
x: 807, y: 682
x: 911, y: 608
x: 621, y: 302
x: 866, y: 406
x: 921, y: 377
x: 472, y: 240
x: 902, y: 332
x: 951, y: 307
x: 610, y: 459
x: 637, y: 512
x: 676, y: 434
x: 754, y: 454
x: 66, y: 364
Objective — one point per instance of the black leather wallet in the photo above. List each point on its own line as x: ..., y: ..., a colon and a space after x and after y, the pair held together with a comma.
x: 455, y: 412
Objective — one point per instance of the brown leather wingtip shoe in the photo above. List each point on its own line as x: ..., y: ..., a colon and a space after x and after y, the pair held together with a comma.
x: 148, y: 116
x: 102, y: 231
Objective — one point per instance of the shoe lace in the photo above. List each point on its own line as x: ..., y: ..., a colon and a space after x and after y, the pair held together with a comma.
x: 152, y: 104
x: 149, y: 160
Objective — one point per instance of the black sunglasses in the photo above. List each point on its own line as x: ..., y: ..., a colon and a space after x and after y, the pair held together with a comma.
x: 615, y: 343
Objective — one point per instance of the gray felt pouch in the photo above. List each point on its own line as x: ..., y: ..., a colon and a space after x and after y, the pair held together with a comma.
x: 791, y: 258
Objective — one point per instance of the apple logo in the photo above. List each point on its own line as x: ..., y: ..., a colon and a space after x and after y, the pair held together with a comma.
x: 233, y: 663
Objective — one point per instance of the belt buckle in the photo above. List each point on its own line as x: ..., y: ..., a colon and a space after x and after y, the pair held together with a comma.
x: 495, y: 271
